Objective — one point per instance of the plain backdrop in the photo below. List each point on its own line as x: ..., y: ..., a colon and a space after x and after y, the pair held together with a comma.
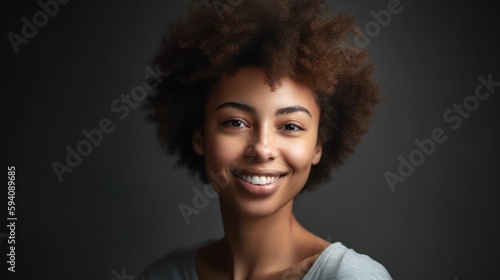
x: 117, y: 211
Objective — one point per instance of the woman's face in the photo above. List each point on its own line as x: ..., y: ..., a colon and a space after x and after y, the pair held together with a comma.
x: 258, y: 145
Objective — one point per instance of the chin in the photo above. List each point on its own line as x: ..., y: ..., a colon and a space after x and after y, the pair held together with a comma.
x: 257, y: 209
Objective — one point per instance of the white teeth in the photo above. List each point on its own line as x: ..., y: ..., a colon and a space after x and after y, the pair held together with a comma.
x: 255, y: 180
x: 258, y: 180
x: 244, y: 178
x: 262, y: 180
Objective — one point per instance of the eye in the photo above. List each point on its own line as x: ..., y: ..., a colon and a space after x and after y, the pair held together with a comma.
x: 292, y: 127
x: 234, y: 123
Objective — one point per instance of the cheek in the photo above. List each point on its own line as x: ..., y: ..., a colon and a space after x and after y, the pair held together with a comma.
x: 221, y: 152
x: 299, y: 161
x: 299, y: 153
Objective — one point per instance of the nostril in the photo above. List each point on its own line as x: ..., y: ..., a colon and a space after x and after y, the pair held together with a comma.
x: 261, y: 146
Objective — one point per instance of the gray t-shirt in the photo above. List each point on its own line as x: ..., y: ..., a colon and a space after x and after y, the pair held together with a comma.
x: 336, y: 262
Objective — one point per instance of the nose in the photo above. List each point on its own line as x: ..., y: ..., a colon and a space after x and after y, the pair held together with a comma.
x: 262, y: 146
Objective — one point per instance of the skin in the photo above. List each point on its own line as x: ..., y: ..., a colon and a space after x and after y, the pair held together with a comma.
x: 244, y: 131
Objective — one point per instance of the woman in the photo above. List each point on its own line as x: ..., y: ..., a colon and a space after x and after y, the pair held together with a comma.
x: 263, y: 103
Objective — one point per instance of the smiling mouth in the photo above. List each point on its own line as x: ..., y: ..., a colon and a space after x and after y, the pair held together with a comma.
x: 259, y: 180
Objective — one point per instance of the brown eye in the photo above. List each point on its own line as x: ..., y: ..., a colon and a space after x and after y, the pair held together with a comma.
x: 292, y: 127
x: 234, y: 123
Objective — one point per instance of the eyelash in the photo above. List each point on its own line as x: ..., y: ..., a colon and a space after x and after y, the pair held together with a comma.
x: 299, y: 128
x: 229, y: 121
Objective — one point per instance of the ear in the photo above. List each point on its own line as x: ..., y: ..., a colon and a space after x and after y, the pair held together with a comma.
x: 317, y: 154
x: 198, y: 142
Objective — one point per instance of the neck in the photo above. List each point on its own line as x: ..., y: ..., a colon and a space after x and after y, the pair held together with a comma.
x: 265, y: 244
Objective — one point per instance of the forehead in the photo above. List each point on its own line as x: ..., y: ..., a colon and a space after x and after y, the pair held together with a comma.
x: 248, y: 86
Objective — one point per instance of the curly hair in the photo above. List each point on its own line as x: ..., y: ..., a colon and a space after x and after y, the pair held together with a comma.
x: 287, y: 38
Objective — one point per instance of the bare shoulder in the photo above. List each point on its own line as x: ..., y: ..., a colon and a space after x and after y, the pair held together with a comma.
x: 310, y: 248
x: 314, y: 245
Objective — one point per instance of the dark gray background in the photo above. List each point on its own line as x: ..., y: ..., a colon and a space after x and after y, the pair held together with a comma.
x: 119, y: 207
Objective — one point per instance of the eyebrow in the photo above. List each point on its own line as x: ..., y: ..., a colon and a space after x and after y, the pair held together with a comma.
x: 236, y: 105
x: 292, y: 109
x: 250, y: 109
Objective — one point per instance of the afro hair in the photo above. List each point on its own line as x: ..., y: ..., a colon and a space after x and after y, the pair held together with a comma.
x: 301, y: 40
